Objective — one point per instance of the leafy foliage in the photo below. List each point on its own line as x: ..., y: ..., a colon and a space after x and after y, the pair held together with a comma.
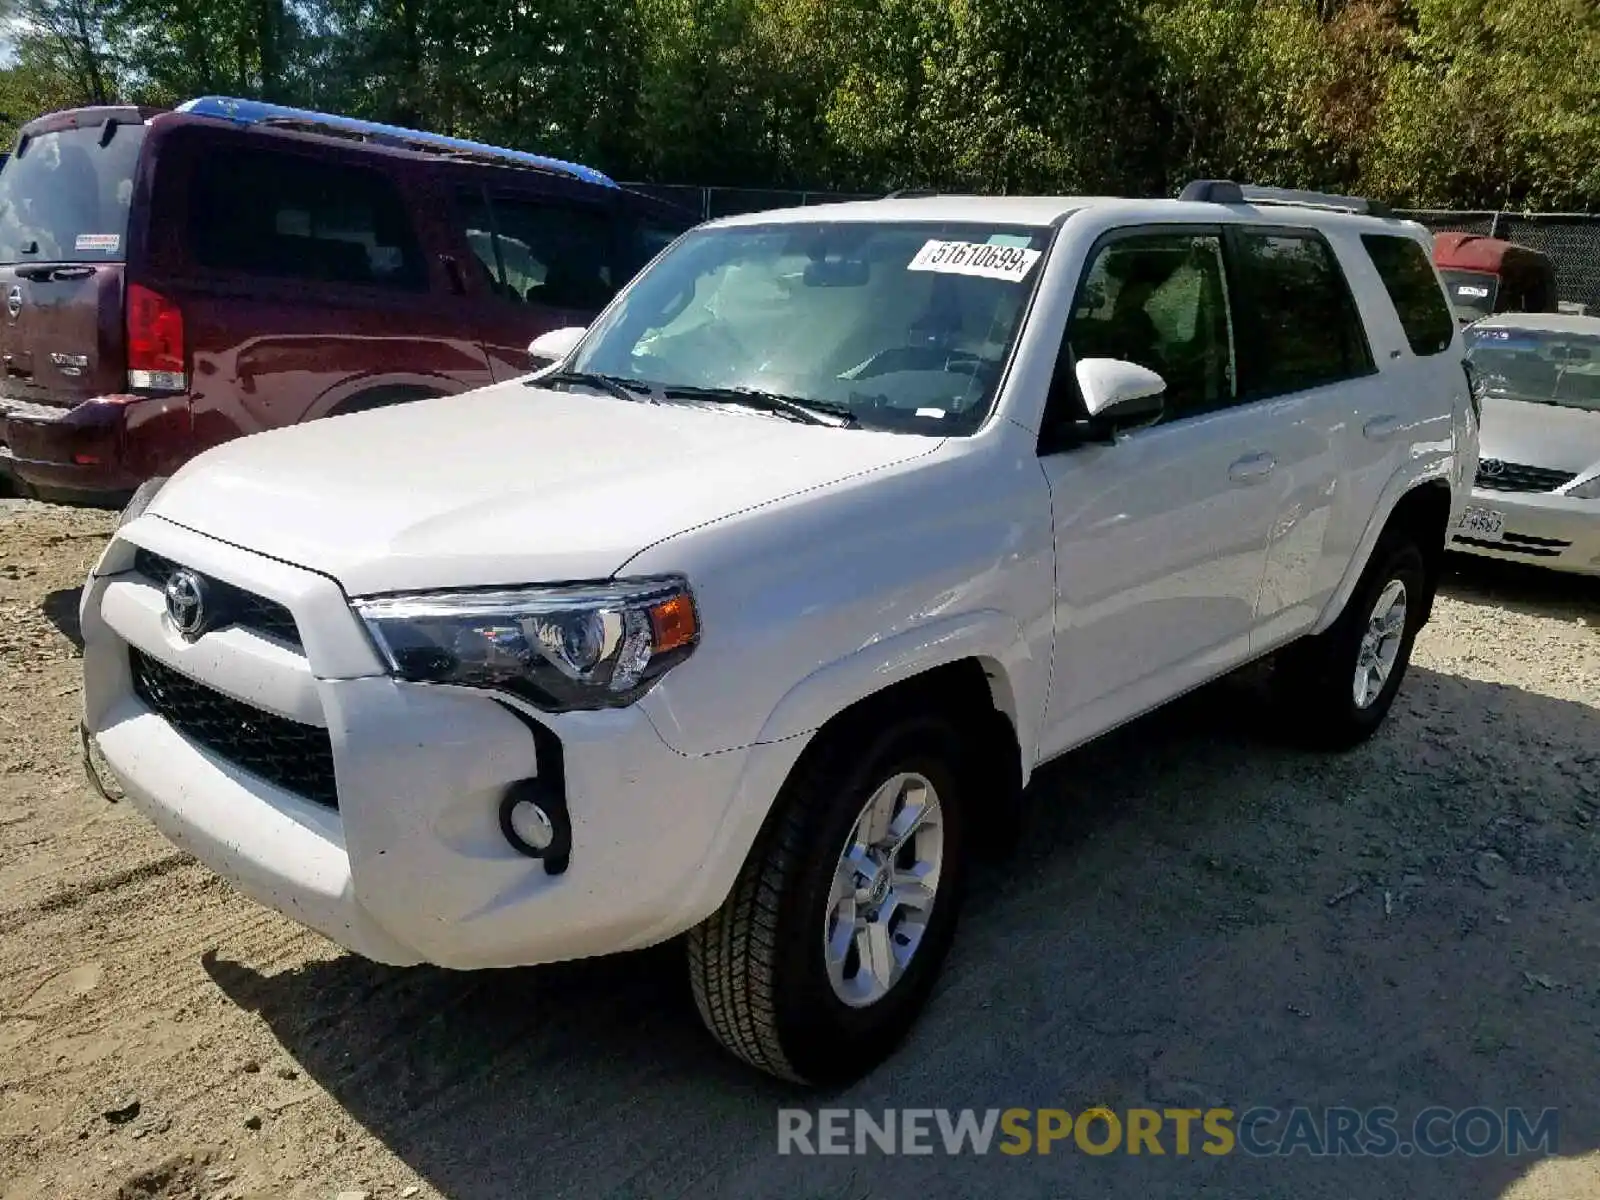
x: 1434, y: 102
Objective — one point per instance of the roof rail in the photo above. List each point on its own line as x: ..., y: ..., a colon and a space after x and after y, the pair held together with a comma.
x: 910, y: 193
x: 257, y: 112
x: 1225, y: 191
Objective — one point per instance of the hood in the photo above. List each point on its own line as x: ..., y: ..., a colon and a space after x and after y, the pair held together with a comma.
x: 1540, y: 435
x: 507, y: 485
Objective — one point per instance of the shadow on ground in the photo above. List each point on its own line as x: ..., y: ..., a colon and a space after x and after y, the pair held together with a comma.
x: 1519, y: 587
x: 60, y: 607
x: 1197, y: 916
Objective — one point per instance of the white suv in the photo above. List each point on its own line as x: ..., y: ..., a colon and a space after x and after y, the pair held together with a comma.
x: 751, y: 616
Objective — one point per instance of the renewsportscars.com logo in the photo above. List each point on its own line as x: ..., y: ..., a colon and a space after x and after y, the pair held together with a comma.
x: 1258, y: 1132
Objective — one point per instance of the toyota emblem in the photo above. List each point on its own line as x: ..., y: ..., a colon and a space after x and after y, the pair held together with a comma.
x: 1491, y: 468
x: 14, y: 301
x: 186, y: 603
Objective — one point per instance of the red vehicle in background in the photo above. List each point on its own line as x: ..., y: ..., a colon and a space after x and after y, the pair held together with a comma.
x: 1486, y: 275
x: 174, y: 279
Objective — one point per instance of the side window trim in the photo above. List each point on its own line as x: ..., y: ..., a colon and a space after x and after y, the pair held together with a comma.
x: 1233, y: 236
x: 1064, y: 382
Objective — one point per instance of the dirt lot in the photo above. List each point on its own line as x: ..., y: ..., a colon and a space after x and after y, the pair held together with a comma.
x: 1198, y: 915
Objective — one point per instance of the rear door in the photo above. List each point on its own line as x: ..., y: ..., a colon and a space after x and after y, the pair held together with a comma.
x: 1327, y: 419
x: 65, y: 195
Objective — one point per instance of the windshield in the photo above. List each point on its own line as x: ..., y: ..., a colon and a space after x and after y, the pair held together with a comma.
x: 64, y: 196
x: 906, y: 326
x: 1538, y: 365
x: 1471, y: 292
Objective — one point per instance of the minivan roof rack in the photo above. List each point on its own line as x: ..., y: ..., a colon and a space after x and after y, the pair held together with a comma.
x: 258, y: 112
x: 1225, y: 191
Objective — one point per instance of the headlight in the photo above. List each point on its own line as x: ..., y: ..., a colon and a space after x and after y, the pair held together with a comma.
x: 140, y: 500
x: 561, y: 648
x: 1589, y: 489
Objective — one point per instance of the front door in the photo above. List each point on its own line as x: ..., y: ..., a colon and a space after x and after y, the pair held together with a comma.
x: 1160, y: 537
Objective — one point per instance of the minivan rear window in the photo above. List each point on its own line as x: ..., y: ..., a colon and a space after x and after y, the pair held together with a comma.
x: 64, y: 196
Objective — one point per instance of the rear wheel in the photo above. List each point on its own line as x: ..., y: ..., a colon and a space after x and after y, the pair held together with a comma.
x: 1339, y: 685
x: 829, y: 945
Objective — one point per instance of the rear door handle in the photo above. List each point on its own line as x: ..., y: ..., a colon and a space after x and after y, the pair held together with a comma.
x: 1252, y: 469
x: 1382, y: 428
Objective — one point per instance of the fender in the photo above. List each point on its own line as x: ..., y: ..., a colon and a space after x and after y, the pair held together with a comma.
x: 348, y: 389
x: 1409, y: 477
x: 993, y: 637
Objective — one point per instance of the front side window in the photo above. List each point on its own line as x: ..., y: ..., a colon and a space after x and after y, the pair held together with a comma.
x: 904, y: 325
x: 1408, y: 277
x: 1160, y: 300
x: 547, y: 253
x: 1538, y: 366
x: 1301, y: 327
x: 271, y: 214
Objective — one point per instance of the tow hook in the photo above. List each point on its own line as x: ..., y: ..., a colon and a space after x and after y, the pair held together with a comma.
x: 95, y: 768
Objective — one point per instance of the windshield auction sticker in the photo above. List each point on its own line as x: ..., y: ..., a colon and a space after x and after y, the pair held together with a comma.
x: 1011, y: 263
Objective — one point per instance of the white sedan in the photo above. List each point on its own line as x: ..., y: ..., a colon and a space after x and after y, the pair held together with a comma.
x: 1537, y: 496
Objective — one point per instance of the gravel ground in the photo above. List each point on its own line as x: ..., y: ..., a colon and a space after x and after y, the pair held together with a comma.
x: 1197, y: 915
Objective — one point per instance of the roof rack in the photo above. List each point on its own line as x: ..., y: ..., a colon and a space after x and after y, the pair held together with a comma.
x: 1225, y: 191
x: 910, y: 193
x: 257, y: 112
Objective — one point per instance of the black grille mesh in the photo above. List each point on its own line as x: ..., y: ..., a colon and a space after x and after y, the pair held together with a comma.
x: 296, y: 757
x: 242, y: 607
x: 1498, y: 476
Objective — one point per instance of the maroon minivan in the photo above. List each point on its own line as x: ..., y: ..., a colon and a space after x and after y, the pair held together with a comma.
x: 174, y: 279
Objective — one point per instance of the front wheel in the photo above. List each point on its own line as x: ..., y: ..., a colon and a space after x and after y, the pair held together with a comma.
x: 1339, y: 685
x: 829, y: 945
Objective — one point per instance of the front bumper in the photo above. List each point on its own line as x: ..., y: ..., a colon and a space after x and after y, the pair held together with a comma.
x: 412, y: 864
x: 96, y: 452
x: 1542, y: 528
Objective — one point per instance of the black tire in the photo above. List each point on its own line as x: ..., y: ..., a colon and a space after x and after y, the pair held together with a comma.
x: 757, y: 965
x: 1315, y: 678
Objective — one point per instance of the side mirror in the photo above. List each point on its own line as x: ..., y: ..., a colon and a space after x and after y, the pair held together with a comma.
x: 1119, y: 393
x: 552, y: 347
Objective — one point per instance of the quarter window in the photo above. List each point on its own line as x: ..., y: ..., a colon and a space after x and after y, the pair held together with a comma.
x: 1301, y: 328
x: 1409, y: 278
x: 270, y: 214
x: 1159, y: 300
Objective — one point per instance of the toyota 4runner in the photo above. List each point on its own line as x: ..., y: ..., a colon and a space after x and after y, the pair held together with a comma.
x: 750, y: 617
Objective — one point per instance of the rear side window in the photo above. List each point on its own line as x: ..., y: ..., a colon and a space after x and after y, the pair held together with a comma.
x: 260, y: 212
x: 1408, y: 277
x: 1304, y: 329
x: 64, y: 196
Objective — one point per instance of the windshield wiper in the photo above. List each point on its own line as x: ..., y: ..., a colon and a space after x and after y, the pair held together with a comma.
x: 811, y: 412
x: 622, y: 389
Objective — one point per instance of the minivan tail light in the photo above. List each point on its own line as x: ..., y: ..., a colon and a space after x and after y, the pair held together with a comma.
x: 155, y: 342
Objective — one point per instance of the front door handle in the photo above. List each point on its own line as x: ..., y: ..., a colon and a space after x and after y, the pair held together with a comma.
x: 1252, y: 469
x: 1381, y: 429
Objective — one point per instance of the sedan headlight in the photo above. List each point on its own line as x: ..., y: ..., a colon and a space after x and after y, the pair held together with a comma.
x: 1589, y: 489
x: 584, y: 646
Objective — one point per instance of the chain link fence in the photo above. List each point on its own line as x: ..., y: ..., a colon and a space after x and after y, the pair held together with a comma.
x: 1572, y: 240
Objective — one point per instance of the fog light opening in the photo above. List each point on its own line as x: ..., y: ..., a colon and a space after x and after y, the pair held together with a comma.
x: 534, y: 820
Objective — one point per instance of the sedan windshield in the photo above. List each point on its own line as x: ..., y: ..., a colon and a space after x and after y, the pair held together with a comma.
x: 904, y: 326
x: 1544, y: 366
x: 1471, y: 292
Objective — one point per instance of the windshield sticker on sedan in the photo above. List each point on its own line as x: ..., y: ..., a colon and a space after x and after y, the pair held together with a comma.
x: 1467, y: 289
x: 1010, y: 263
x: 97, y: 241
